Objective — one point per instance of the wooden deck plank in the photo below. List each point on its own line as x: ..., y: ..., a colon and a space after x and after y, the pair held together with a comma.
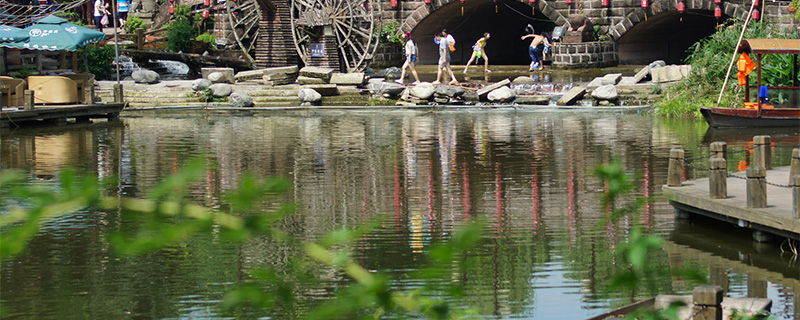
x: 777, y: 215
x: 58, y: 113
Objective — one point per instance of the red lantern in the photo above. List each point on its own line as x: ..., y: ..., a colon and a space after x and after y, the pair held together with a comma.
x: 755, y: 3
x: 717, y: 12
x: 717, y: 2
x: 568, y: 2
x: 529, y: 1
x: 463, y: 1
x: 644, y: 4
x: 792, y: 9
x: 605, y: 3
x: 427, y: 1
x: 171, y: 9
x: 394, y: 4
x: 756, y: 14
x: 207, y: 3
x: 681, y: 7
x: 205, y: 14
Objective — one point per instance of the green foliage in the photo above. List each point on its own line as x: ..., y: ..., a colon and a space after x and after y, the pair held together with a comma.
x: 134, y: 23
x: 795, y: 5
x: 99, y: 59
x: 390, y: 33
x: 73, y: 17
x: 208, y: 96
x: 710, y: 58
x: 24, y: 72
x: 183, y: 29
x: 206, y: 37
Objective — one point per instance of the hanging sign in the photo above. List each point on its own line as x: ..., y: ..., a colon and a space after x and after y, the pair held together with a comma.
x: 317, y: 50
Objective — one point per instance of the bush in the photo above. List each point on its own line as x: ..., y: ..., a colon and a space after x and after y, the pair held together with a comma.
x: 99, y: 59
x: 182, y: 30
x: 390, y: 33
x: 710, y: 58
x: 206, y: 37
x: 134, y: 23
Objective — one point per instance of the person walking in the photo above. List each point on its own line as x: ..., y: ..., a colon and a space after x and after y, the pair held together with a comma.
x: 99, y: 12
x: 123, y: 7
x: 444, y: 60
x: 411, y: 59
x: 478, y: 52
x: 534, y: 51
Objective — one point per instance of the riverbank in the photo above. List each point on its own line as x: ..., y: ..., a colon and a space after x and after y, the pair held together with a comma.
x: 541, y: 88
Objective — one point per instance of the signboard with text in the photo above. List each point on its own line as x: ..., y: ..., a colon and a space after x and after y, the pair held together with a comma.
x: 317, y: 50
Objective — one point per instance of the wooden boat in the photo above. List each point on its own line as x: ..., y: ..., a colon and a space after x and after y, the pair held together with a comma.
x: 759, y: 114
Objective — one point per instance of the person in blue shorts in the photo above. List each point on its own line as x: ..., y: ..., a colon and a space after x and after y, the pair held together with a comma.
x: 411, y: 58
x: 534, y: 51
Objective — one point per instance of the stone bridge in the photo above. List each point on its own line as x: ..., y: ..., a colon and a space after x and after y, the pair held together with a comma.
x: 626, y: 32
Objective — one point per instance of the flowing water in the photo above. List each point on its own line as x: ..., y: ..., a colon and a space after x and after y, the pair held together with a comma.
x: 528, y: 175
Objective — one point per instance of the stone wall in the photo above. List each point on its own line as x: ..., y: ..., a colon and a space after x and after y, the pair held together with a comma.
x: 585, y: 55
x: 388, y: 55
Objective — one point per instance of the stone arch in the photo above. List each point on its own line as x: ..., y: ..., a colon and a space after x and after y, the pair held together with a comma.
x: 422, y: 11
x: 638, y: 15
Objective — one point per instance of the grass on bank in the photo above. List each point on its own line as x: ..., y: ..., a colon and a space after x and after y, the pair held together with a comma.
x: 710, y: 58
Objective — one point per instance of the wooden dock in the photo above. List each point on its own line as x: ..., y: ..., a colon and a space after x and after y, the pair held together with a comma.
x: 777, y: 218
x: 59, y: 114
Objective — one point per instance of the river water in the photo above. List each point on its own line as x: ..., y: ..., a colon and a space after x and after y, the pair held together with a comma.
x: 527, y: 174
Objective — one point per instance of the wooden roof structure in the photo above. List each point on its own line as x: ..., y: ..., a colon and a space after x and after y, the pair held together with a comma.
x: 761, y: 46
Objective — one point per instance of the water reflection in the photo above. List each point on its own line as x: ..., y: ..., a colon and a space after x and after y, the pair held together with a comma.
x: 527, y: 174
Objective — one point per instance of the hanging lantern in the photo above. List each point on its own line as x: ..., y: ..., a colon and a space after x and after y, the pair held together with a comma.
x: 207, y: 3
x: 756, y: 14
x: 171, y: 9
x: 393, y: 3
x: 791, y: 9
x: 533, y: 6
x: 717, y: 12
x: 427, y: 1
x: 462, y: 6
x: 568, y: 2
x: 717, y: 2
x: 645, y: 4
x: 205, y: 14
x: 681, y: 9
x: 755, y: 3
x: 605, y: 3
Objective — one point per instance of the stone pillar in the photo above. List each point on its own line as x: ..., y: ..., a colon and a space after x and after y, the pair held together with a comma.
x: 756, y: 187
x: 28, y: 100
x: 675, y: 171
x: 794, y: 167
x: 707, y: 303
x: 762, y: 152
x: 718, y: 178
x: 719, y: 150
x: 796, y: 193
x: 118, y: 93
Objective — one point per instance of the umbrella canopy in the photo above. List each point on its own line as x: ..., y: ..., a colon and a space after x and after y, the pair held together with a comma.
x: 12, y: 34
x: 53, y: 34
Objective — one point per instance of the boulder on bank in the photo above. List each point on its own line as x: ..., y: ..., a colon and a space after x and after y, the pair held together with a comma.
x: 200, y: 84
x: 606, y: 92
x: 448, y: 91
x: 391, y: 73
x: 217, y: 77
x: 309, y: 96
x: 227, y: 73
x: 483, y: 92
x: 220, y: 90
x: 502, y: 94
x: 145, y: 76
x: 239, y: 100
x: 381, y: 87
x: 422, y: 91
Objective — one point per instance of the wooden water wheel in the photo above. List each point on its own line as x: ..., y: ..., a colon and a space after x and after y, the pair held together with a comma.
x: 348, y: 25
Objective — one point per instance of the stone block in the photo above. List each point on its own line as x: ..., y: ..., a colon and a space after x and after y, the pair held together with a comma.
x: 541, y: 100
x: 227, y: 73
x: 605, y: 92
x: 571, y: 96
x: 356, y: 78
x: 317, y: 72
x: 670, y: 73
x: 611, y: 78
x: 310, y: 80
x: 493, y: 86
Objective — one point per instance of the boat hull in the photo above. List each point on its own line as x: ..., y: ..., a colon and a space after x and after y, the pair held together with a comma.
x: 732, y: 117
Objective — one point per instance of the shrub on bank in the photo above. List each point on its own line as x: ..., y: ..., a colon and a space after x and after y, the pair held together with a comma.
x: 710, y: 58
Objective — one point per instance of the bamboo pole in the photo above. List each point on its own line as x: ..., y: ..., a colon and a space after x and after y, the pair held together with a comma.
x: 736, y: 48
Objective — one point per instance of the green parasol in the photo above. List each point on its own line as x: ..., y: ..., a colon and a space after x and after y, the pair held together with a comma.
x: 12, y: 34
x: 52, y: 33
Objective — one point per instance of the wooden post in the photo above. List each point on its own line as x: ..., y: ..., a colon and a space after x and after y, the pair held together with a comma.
x: 707, y: 302
x: 139, y: 38
x: 718, y: 178
x: 118, y: 94
x: 756, y: 187
x: 794, y: 167
x: 719, y: 150
x: 762, y: 152
x: 28, y: 100
x: 796, y: 193
x: 675, y: 171
x: 89, y: 93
